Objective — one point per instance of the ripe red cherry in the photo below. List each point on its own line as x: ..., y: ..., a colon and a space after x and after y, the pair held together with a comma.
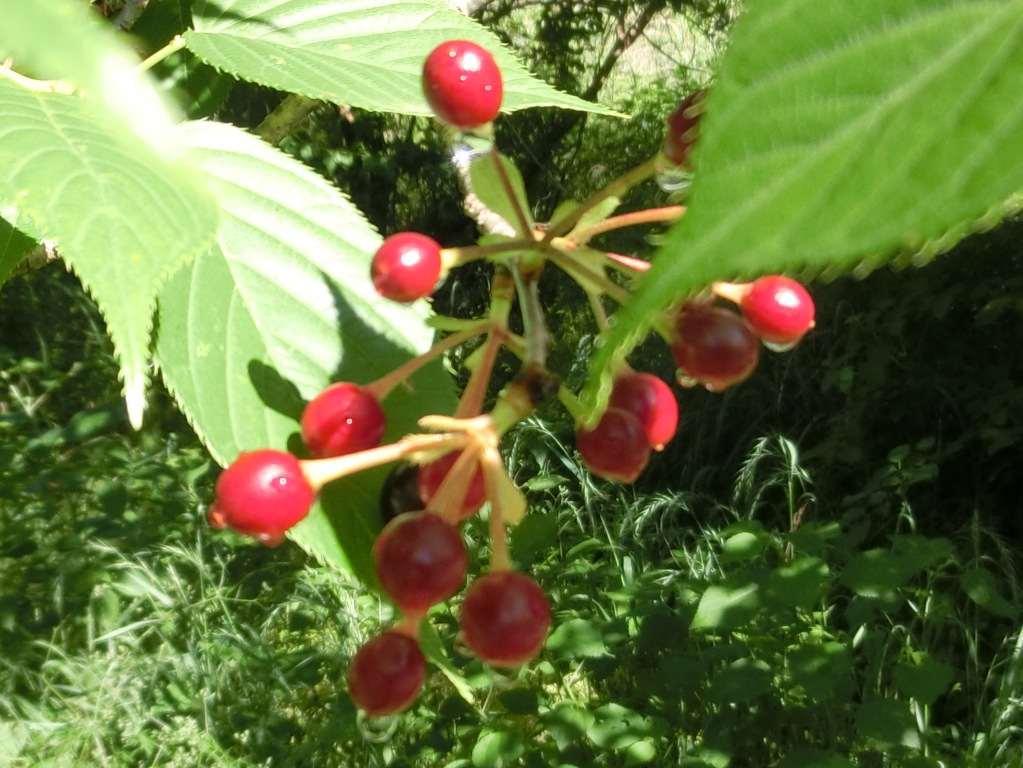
x: 505, y: 618
x: 715, y: 346
x: 433, y: 474
x: 262, y: 494
x: 420, y: 561
x: 651, y: 401
x: 617, y: 448
x: 386, y: 674
x: 779, y: 309
x: 683, y: 129
x: 343, y: 418
x: 406, y: 267
x: 462, y: 84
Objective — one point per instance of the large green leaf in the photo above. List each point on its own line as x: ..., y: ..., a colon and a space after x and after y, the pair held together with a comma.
x: 65, y: 40
x: 121, y: 214
x: 362, y: 53
x: 280, y: 307
x: 839, y: 134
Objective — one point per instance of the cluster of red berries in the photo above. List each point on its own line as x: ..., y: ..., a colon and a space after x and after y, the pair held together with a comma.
x: 419, y: 557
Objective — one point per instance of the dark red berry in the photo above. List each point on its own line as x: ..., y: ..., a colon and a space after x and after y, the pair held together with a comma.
x: 262, y: 494
x: 617, y: 448
x: 715, y: 346
x: 343, y: 418
x: 779, y: 309
x: 420, y: 560
x: 505, y: 618
x: 433, y: 474
x: 400, y: 492
x: 406, y: 267
x: 651, y: 401
x: 462, y: 84
x: 683, y: 128
x: 386, y: 674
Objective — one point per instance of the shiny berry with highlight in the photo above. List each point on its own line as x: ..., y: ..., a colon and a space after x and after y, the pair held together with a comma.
x: 462, y: 84
x: 714, y: 346
x: 261, y: 494
x: 779, y: 309
x: 406, y: 267
x: 343, y: 418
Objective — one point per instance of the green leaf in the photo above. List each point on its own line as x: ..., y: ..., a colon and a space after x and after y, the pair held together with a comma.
x: 982, y: 588
x: 577, y: 638
x: 888, y: 723
x: 495, y: 195
x: 922, y: 677
x: 727, y: 606
x: 63, y: 39
x: 497, y: 749
x: 741, y: 681
x: 840, y: 135
x: 279, y: 308
x: 123, y: 217
x: 14, y: 247
x: 820, y: 669
x: 799, y: 583
x: 366, y: 54
x: 807, y: 758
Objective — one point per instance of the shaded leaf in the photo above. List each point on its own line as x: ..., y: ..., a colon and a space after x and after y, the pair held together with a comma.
x: 887, y: 722
x: 982, y: 588
x: 577, y: 638
x: 497, y: 749
x: 741, y: 681
x: 14, y: 247
x: 922, y: 677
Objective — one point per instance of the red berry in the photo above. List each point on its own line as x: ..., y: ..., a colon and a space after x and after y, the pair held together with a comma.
x: 780, y: 310
x: 683, y: 128
x: 406, y: 267
x: 462, y: 84
x: 262, y: 494
x: 505, y: 618
x: 651, y: 401
x: 386, y: 674
x: 715, y: 346
x: 343, y: 418
x: 420, y: 561
x: 617, y: 448
x: 433, y: 474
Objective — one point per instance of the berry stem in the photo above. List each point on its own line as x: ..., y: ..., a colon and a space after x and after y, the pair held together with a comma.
x: 493, y: 471
x: 383, y: 386
x: 616, y: 188
x: 534, y: 327
x: 452, y: 257
x: 626, y: 264
x: 42, y: 86
x: 646, y: 216
x: 448, y: 500
x: 319, y: 472
x: 502, y: 292
x: 585, y: 275
x: 733, y: 292
x: 284, y: 117
x: 176, y: 44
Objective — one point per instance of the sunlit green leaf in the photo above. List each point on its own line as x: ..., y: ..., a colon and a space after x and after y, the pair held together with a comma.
x: 123, y: 217
x: 279, y: 308
x: 727, y: 605
x: 366, y: 54
x: 14, y: 247
x: 841, y: 134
